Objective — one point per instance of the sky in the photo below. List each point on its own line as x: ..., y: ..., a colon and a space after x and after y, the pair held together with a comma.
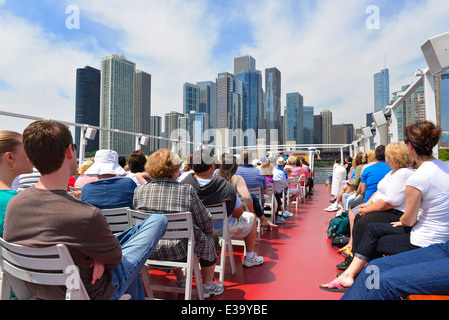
x: 327, y: 50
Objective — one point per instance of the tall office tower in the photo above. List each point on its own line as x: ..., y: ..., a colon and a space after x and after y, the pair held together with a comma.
x: 381, y: 90
x: 229, y: 101
x: 208, y: 101
x: 244, y: 63
x: 87, y: 110
x: 318, y: 129
x: 343, y: 133
x: 195, y: 124
x: 381, y: 99
x: 295, y: 127
x: 252, y: 104
x: 155, y: 130
x: 327, y: 127
x: 117, y: 103
x: 309, y: 125
x: 272, y: 114
x: 171, y: 125
x: 191, y: 98
x: 142, y: 105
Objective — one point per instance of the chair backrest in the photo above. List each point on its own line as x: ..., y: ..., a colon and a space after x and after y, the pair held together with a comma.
x: 218, y: 211
x: 302, y: 178
x: 270, y: 189
x: 257, y: 192
x: 118, y: 219
x: 279, y: 186
x: 180, y: 225
x: 51, y: 266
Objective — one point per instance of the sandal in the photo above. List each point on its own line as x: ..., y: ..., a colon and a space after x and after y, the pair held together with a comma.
x: 345, y: 251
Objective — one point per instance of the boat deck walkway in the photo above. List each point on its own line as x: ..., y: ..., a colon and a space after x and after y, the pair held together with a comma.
x: 298, y: 258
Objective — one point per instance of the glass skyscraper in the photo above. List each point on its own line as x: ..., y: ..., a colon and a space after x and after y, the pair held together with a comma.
x: 87, y: 109
x: 208, y: 101
x: 308, y: 124
x: 252, y: 103
x: 294, y: 114
x: 381, y: 90
x: 272, y: 114
x: 117, y: 103
x: 191, y: 98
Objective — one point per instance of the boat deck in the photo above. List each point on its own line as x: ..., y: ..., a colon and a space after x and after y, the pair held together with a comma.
x: 298, y: 258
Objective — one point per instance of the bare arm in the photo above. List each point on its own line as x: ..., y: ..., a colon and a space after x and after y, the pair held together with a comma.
x: 412, y: 205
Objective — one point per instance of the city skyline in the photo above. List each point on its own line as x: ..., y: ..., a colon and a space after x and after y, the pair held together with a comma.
x: 329, y: 58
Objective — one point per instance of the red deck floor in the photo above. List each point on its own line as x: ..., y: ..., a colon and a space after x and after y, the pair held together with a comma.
x: 298, y: 258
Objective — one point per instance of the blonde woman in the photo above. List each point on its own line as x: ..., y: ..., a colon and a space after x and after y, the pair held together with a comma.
x: 13, y: 162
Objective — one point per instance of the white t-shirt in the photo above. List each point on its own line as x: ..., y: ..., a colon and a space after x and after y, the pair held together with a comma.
x: 391, y: 188
x: 432, y: 227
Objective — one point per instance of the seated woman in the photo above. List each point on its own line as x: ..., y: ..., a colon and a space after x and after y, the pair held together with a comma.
x: 425, y: 220
x: 111, y: 190
x: 228, y: 168
x: 163, y: 194
x: 13, y: 162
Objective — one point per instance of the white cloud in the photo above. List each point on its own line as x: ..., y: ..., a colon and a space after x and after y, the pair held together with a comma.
x: 323, y: 50
x: 40, y: 73
x: 332, y: 59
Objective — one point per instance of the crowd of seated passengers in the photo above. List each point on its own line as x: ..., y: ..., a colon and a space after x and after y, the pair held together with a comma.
x: 402, y: 238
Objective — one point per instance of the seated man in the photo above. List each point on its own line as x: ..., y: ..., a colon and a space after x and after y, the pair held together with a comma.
x: 213, y: 190
x: 45, y: 215
x: 109, y: 191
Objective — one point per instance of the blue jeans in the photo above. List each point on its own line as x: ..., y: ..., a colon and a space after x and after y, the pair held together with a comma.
x: 137, y: 244
x: 422, y: 271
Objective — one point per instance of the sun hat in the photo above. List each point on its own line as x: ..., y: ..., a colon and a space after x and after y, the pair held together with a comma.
x: 280, y: 161
x: 106, y: 162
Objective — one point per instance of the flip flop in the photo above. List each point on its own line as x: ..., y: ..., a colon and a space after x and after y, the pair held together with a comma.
x: 336, y: 288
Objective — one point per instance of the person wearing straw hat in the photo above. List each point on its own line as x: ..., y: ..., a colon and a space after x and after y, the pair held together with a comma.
x: 111, y: 190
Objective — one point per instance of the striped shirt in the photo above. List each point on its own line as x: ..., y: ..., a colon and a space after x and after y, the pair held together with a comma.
x: 167, y: 196
x: 253, y: 177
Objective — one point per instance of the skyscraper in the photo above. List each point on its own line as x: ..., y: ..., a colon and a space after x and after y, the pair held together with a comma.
x: 381, y: 90
x: 229, y: 101
x: 117, y: 103
x: 318, y: 129
x: 142, y: 105
x: 327, y: 127
x: 170, y: 127
x: 252, y: 104
x: 442, y: 93
x: 295, y: 127
x: 381, y: 99
x: 208, y: 101
x: 244, y: 63
x: 87, y: 110
x: 191, y: 98
x: 308, y: 125
x: 272, y: 114
x: 155, y: 130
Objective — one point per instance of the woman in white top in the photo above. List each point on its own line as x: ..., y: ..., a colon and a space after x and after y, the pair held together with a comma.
x: 425, y: 220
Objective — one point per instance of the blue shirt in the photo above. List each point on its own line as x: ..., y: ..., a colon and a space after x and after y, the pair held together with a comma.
x: 109, y: 193
x: 372, y: 176
x: 253, y: 177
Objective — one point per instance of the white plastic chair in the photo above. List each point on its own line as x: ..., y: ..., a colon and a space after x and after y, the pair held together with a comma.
x: 118, y: 219
x: 302, y: 180
x: 219, y: 212
x: 271, y: 199
x: 295, y: 182
x: 279, y: 186
x: 256, y: 191
x: 51, y: 266
x: 180, y: 226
